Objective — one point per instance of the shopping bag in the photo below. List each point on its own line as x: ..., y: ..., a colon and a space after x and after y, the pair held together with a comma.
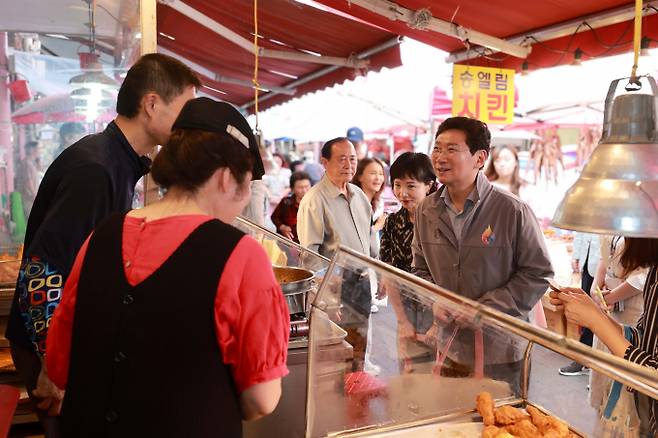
x: 618, y: 416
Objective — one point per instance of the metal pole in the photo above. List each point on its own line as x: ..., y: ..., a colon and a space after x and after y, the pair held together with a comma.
x: 6, y: 143
x: 525, y: 375
x: 149, y: 44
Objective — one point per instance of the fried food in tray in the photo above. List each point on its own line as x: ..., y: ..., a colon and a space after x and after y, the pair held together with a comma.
x: 506, y: 415
x: 524, y: 429
x: 511, y: 422
x: 492, y: 432
x: 485, y: 406
x: 547, y: 425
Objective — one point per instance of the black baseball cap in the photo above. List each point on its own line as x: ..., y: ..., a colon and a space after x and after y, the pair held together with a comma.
x: 206, y: 114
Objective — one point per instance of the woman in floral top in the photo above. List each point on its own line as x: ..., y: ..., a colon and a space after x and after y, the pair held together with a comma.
x: 412, y: 178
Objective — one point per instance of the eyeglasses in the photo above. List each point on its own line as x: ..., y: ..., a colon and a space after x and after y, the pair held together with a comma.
x: 449, y: 151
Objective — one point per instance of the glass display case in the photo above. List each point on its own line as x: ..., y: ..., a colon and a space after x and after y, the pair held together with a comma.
x: 417, y: 365
x: 62, y: 63
x: 291, y: 260
x: 283, y: 251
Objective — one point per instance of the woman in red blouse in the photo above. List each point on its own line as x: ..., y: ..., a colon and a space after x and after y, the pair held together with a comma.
x: 163, y: 329
x: 284, y: 215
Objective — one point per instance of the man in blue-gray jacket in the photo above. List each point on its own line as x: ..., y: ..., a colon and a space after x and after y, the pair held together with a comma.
x: 481, y: 242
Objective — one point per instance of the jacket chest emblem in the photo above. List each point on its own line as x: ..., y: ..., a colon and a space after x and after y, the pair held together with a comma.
x: 488, y: 236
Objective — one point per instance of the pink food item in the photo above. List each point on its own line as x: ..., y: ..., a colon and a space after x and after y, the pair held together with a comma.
x: 360, y: 383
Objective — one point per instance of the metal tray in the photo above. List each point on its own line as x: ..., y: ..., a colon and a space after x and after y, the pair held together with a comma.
x: 330, y: 332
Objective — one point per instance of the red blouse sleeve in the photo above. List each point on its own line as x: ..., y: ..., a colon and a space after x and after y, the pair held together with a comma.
x: 277, y: 214
x: 251, y: 317
x: 58, y: 343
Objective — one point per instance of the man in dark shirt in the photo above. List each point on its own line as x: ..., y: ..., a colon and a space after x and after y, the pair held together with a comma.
x: 91, y: 179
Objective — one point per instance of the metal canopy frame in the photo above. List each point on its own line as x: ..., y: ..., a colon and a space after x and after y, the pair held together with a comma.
x: 422, y: 19
x: 593, y: 21
x: 247, y: 45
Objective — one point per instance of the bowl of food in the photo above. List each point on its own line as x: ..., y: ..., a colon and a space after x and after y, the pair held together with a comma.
x: 295, y: 284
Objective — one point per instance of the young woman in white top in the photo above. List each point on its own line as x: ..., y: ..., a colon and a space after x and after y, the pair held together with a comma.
x: 623, y: 297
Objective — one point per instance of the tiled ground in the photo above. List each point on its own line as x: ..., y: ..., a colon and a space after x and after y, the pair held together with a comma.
x: 565, y: 397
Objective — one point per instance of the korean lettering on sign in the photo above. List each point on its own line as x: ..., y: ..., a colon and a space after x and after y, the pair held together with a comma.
x: 483, y: 93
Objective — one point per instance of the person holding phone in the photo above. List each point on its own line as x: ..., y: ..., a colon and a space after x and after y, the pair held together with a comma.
x: 642, y: 347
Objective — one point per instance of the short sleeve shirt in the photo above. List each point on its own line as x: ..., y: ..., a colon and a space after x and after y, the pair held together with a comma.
x: 251, y: 314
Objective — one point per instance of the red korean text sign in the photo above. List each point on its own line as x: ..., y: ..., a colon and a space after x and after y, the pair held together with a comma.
x: 483, y: 93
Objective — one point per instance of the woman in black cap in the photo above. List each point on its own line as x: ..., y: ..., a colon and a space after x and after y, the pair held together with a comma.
x: 172, y: 323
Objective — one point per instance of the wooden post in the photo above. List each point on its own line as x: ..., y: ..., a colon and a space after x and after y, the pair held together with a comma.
x: 149, y: 44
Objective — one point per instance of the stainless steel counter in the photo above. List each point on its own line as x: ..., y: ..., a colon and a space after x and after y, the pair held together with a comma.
x: 288, y: 419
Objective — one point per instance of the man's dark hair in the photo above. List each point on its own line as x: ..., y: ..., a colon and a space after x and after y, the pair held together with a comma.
x: 477, y: 133
x: 71, y: 128
x: 298, y: 176
x: 154, y: 73
x: 296, y: 163
x: 414, y: 165
x: 326, y: 148
x: 30, y: 145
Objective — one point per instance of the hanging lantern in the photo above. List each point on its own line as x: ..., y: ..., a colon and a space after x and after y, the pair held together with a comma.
x: 92, y: 89
x: 617, y: 192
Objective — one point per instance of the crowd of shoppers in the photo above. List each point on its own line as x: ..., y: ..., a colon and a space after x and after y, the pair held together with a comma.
x: 464, y: 224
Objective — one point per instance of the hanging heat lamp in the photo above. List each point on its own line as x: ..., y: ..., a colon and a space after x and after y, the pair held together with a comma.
x: 93, y: 91
x: 617, y: 191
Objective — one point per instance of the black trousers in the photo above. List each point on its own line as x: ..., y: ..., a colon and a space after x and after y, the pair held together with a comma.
x: 357, y: 300
x: 586, y: 281
x: 28, y: 365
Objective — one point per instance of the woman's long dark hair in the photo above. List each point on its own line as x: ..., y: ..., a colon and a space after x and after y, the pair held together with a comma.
x: 492, y: 175
x: 356, y: 180
x: 638, y: 253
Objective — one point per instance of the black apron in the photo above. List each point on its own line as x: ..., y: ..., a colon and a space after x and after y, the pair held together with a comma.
x: 145, y: 360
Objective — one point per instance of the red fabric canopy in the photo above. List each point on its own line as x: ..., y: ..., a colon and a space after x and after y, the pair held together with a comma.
x: 283, y: 25
x: 509, y: 18
x: 58, y: 108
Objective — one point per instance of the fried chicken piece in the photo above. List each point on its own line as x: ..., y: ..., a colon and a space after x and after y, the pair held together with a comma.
x: 557, y: 430
x: 485, y: 406
x: 538, y: 418
x: 551, y: 427
x: 552, y: 433
x: 508, y: 415
x: 492, y: 432
x: 524, y: 429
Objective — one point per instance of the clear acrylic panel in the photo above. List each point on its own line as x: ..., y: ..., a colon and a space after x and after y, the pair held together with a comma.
x: 415, y: 367
x: 284, y: 252
x: 65, y: 65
